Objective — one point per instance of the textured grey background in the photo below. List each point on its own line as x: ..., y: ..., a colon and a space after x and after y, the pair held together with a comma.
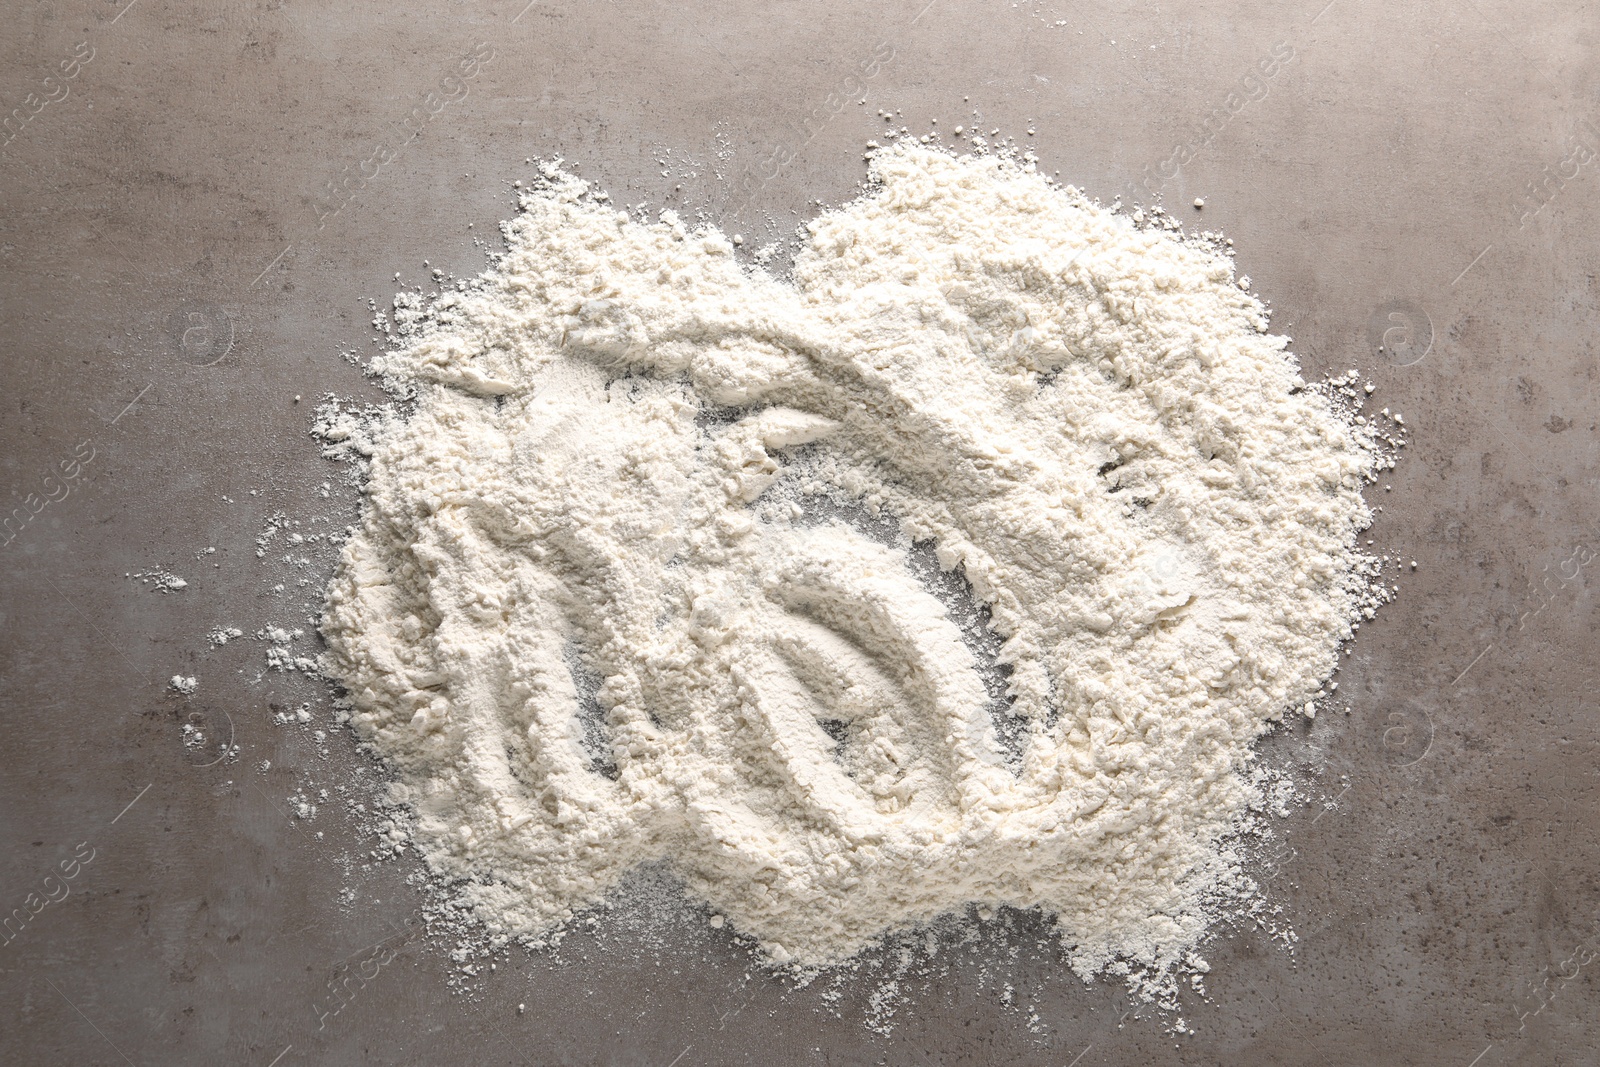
x: 162, y: 216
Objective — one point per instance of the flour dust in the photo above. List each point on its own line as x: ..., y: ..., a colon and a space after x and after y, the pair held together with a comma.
x: 960, y: 572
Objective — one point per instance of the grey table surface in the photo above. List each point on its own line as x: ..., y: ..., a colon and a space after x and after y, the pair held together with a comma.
x: 197, y: 203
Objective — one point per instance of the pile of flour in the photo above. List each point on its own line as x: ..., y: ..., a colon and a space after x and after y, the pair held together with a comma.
x: 637, y: 575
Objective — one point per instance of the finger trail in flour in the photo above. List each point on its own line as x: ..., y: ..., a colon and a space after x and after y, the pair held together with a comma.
x: 644, y: 567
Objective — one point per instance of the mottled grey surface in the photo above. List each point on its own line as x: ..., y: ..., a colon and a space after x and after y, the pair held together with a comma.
x: 173, y: 272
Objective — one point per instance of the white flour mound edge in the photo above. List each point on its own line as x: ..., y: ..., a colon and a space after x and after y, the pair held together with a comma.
x: 622, y: 589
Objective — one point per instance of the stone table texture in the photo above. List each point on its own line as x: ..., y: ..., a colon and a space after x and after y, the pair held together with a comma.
x: 198, y: 202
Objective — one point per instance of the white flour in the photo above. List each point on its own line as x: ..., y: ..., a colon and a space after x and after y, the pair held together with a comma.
x: 635, y: 576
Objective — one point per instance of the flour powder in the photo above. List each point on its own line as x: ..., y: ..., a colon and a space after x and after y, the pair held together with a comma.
x: 965, y: 568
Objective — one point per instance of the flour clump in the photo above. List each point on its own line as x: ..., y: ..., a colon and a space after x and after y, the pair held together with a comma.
x: 964, y: 568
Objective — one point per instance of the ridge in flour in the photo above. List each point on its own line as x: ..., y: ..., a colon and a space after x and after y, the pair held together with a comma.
x: 964, y: 570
